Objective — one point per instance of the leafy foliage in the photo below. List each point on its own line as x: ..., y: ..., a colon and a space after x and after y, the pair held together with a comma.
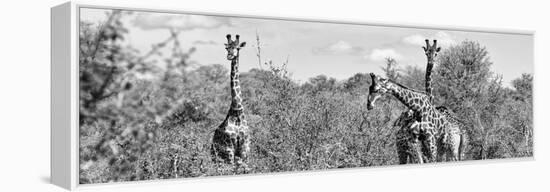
x: 466, y: 84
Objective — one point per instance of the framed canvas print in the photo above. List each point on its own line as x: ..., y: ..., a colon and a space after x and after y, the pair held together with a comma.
x: 141, y: 94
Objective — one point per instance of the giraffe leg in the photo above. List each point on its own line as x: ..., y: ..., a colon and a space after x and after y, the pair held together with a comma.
x: 230, y: 152
x: 462, y: 145
x: 412, y: 153
x: 403, y: 156
x: 442, y: 150
x: 430, y: 148
x: 242, y: 147
x: 417, y: 151
x: 455, y: 146
x: 415, y: 147
x: 402, y: 146
x: 428, y: 139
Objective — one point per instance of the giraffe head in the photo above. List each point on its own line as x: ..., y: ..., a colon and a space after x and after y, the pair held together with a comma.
x: 233, y: 47
x: 378, y: 87
x: 431, y: 50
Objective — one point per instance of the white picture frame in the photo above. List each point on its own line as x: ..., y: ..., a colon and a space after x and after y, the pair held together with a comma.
x: 64, y: 79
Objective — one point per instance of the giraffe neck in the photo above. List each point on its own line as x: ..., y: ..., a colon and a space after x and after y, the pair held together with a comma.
x: 415, y: 101
x: 429, y: 68
x: 236, y: 100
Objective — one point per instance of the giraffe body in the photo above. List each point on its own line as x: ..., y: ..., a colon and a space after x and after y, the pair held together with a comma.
x: 231, y: 140
x: 455, y: 141
x: 451, y: 143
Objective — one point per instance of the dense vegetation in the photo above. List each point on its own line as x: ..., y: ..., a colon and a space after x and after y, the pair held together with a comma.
x: 139, y: 121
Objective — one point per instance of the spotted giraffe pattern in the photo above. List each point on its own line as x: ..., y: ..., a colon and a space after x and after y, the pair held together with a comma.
x: 457, y: 138
x: 430, y: 121
x: 231, y: 140
x: 451, y: 142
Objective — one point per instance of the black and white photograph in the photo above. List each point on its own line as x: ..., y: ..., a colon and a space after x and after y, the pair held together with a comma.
x: 172, y: 95
x: 274, y: 96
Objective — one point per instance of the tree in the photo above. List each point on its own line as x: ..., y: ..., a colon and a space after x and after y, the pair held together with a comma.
x: 100, y: 55
x: 522, y: 107
x: 463, y: 73
x: 358, y: 83
x: 321, y: 83
x: 391, y: 69
x: 465, y: 83
x: 413, y: 77
x: 523, y: 87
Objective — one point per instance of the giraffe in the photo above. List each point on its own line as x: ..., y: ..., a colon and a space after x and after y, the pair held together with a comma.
x: 453, y: 138
x: 406, y: 140
x: 231, y: 141
x: 430, y: 123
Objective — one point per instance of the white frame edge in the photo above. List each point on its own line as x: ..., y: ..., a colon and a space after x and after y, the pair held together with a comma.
x: 64, y: 127
x: 64, y: 85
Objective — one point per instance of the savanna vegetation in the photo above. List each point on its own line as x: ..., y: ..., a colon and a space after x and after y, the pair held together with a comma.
x: 139, y: 121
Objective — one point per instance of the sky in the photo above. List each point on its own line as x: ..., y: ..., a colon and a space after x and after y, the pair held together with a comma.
x: 315, y: 48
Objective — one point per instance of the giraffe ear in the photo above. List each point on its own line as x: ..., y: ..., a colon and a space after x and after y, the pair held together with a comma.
x: 438, y: 49
x: 242, y: 44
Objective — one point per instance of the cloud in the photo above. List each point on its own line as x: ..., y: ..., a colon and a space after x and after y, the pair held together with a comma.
x: 443, y: 39
x: 415, y: 40
x: 151, y: 21
x: 339, y: 47
x: 382, y: 54
x: 345, y: 48
x: 201, y: 42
